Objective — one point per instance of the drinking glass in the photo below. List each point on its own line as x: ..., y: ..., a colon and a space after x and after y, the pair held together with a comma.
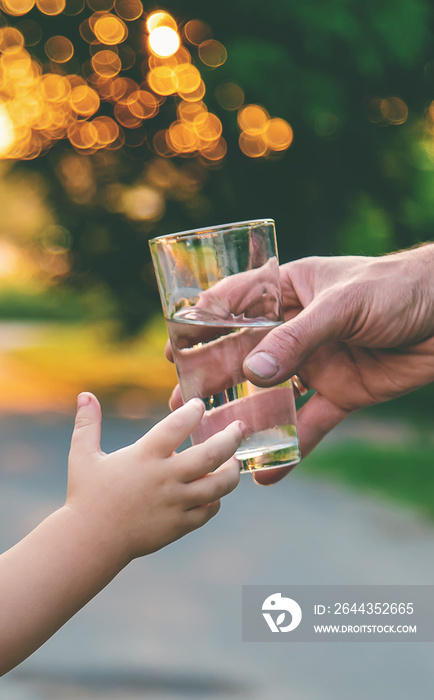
x: 220, y: 292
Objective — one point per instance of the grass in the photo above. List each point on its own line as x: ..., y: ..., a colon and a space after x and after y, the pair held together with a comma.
x: 404, y: 473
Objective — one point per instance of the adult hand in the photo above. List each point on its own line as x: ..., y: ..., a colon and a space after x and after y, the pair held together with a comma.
x: 358, y: 330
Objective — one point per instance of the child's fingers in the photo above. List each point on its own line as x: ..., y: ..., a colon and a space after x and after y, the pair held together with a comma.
x: 169, y: 433
x: 196, y: 517
x: 207, y: 456
x: 212, y: 487
x: 87, y: 429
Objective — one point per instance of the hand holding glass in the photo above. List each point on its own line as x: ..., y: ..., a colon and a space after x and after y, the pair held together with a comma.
x: 220, y: 291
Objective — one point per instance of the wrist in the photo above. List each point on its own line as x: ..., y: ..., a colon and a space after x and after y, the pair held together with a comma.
x: 419, y: 267
x: 97, y: 535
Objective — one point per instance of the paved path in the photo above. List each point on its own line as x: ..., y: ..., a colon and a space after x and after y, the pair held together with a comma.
x: 168, y: 628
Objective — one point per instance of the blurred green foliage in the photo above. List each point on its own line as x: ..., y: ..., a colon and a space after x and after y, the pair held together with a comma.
x: 350, y: 183
x: 402, y: 473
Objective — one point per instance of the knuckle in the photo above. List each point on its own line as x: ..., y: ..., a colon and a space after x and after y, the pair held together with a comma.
x: 82, y: 422
x: 288, y: 335
x: 209, y: 460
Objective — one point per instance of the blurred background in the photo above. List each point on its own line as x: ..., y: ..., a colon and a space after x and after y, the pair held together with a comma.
x: 120, y: 121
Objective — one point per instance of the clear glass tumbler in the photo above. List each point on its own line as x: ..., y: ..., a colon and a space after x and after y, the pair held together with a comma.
x: 220, y: 292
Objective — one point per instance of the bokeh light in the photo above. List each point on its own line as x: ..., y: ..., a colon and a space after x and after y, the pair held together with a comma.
x: 51, y: 7
x: 260, y: 134
x: 61, y: 99
x: 106, y: 63
x: 84, y: 100
x: 394, y: 110
x: 253, y: 146
x: 10, y: 38
x: 142, y: 104
x: 387, y: 111
x: 59, y: 49
x: 253, y: 119
x: 160, y: 19
x: 212, y: 53
x: 73, y: 7
x: 7, y: 135
x: 16, y: 8
x: 109, y: 29
x: 229, y: 96
x: 196, y: 32
x: 129, y: 10
x: 164, y: 41
x: 162, y: 80
x: 278, y: 134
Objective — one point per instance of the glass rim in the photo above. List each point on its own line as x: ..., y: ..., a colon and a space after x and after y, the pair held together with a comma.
x: 210, y: 230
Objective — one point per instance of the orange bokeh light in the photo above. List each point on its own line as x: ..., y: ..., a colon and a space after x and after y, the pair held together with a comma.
x: 17, y: 8
x: 106, y: 63
x: 216, y: 151
x: 40, y: 104
x: 182, y: 138
x: 212, y: 53
x: 160, y: 19
x: 195, y: 96
x: 84, y: 100
x: 129, y: 10
x: 208, y: 127
x: 252, y: 119
x: 125, y: 116
x: 162, y: 80
x: 55, y: 88
x: 189, y: 111
x: 188, y: 78
x: 181, y: 56
x: 107, y: 130
x: 10, y: 38
x: 142, y: 104
x: 59, y: 49
x: 278, y: 134
x: 73, y: 7
x: 196, y: 32
x: 83, y: 135
x: 110, y: 30
x: 253, y: 146
x: 51, y: 7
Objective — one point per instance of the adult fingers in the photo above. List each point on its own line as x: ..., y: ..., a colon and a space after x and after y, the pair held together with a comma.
x: 314, y: 420
x: 175, y: 400
x: 87, y: 429
x: 169, y: 433
x: 284, y: 349
x: 168, y: 351
x: 216, y: 365
x: 203, y: 458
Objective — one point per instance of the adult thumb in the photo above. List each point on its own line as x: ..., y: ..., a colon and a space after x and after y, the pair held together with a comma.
x: 284, y: 350
x: 87, y: 429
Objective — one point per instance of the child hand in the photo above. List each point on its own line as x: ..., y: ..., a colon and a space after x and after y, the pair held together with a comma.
x: 144, y: 496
